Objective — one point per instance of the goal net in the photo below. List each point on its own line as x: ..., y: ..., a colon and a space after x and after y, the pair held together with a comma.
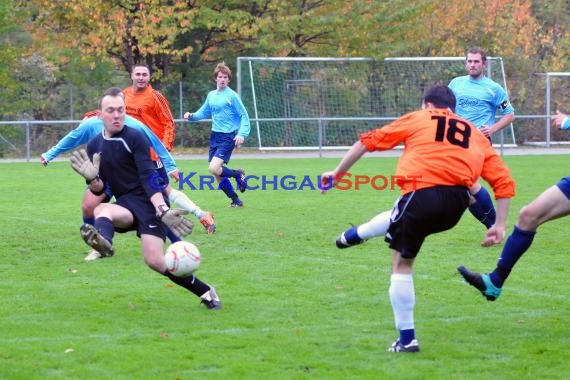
x: 325, y: 103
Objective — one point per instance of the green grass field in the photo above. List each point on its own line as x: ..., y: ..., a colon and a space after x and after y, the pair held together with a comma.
x: 294, y: 306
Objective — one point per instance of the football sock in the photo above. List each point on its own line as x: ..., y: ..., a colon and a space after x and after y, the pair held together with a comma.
x: 227, y: 188
x: 515, y: 246
x: 172, y: 236
x: 89, y: 220
x: 377, y: 226
x: 403, y: 299
x: 406, y: 336
x: 351, y: 236
x: 483, y: 209
x: 105, y: 227
x: 181, y: 200
x: 191, y: 283
x: 227, y: 172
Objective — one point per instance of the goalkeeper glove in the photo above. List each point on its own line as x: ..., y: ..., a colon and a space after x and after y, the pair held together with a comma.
x: 175, y: 220
x: 81, y: 163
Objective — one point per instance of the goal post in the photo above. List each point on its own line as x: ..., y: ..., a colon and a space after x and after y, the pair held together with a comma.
x: 309, y: 103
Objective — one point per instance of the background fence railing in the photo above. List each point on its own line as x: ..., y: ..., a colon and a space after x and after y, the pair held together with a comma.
x: 29, y: 138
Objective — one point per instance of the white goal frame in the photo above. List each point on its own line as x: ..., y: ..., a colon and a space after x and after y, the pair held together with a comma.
x: 245, y: 68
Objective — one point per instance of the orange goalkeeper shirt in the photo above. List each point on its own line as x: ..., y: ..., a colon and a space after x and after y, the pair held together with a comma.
x: 441, y: 148
x: 152, y: 109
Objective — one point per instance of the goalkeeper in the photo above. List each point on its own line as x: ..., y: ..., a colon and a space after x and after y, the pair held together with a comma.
x: 120, y: 159
x: 92, y: 126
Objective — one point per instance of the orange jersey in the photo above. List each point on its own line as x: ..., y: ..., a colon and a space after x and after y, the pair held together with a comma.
x: 441, y: 148
x: 152, y: 109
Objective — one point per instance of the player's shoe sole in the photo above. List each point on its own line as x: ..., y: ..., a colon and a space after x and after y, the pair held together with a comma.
x: 481, y: 282
x: 241, y: 180
x: 94, y: 239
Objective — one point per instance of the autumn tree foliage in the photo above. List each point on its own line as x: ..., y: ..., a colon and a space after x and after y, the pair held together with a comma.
x: 182, y: 39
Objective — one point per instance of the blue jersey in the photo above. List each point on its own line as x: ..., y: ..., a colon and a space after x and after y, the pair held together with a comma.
x: 227, y: 112
x: 126, y: 165
x: 93, y: 126
x: 479, y: 100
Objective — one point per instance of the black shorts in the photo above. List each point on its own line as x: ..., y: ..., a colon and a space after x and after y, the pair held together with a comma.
x: 424, y: 212
x: 145, y: 220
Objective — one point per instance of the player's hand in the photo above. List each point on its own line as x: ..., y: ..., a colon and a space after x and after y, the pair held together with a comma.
x: 238, y: 141
x: 187, y: 115
x: 81, y: 163
x: 557, y: 119
x: 175, y: 220
x: 43, y: 161
x: 175, y: 175
x: 328, y: 181
x: 495, y: 235
x: 486, y: 131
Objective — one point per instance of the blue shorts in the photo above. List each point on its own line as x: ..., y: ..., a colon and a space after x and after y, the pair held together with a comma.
x: 145, y: 220
x: 564, y: 186
x: 222, y: 145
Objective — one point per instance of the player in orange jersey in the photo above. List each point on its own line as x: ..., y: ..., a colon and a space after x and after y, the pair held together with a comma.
x: 151, y: 107
x: 444, y: 155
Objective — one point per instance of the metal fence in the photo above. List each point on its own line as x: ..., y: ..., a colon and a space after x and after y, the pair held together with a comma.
x: 28, y: 139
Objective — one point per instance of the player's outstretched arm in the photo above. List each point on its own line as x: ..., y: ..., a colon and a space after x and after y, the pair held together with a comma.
x: 329, y: 179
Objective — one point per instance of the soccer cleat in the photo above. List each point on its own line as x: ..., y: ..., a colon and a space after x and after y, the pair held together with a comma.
x: 94, y: 239
x: 236, y: 204
x: 211, y: 300
x: 241, y: 180
x: 343, y: 242
x: 413, y: 346
x: 93, y: 255
x: 208, y: 223
x: 482, y: 282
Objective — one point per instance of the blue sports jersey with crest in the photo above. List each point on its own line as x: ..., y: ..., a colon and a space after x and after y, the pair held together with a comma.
x: 478, y: 100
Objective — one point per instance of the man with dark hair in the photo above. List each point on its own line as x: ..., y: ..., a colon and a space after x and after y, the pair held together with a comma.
x: 444, y: 155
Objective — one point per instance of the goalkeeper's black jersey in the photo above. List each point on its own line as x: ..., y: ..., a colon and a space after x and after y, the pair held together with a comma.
x: 126, y: 166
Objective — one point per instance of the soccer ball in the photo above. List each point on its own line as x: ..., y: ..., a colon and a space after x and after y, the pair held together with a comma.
x: 182, y: 258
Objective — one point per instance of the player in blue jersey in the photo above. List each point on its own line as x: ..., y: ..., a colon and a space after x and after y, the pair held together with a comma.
x: 120, y: 158
x: 479, y: 98
x: 553, y: 203
x: 230, y: 127
x: 91, y: 127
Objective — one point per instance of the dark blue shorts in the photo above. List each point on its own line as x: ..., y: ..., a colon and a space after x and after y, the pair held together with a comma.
x: 145, y: 220
x: 564, y: 186
x: 424, y: 212
x: 222, y: 145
